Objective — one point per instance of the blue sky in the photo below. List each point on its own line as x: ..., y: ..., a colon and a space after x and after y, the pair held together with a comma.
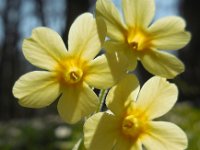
x: 55, y: 21
x: 163, y: 7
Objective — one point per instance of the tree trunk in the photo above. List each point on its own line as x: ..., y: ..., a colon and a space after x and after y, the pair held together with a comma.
x: 74, y: 8
x: 190, y: 54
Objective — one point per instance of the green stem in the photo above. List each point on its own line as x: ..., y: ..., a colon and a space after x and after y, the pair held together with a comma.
x: 102, y: 96
x: 79, y: 145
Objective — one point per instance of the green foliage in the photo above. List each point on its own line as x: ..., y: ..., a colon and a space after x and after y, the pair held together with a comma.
x: 38, y: 134
x: 51, y: 133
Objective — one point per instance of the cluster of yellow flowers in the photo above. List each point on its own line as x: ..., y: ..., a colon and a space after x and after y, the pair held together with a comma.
x: 72, y: 74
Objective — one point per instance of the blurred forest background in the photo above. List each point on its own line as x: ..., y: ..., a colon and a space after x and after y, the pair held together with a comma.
x: 23, y: 128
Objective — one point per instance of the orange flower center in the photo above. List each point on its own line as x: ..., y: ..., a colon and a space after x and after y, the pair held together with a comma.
x: 71, y: 70
x: 73, y: 75
x: 134, y: 123
x: 138, y: 40
x: 131, y: 126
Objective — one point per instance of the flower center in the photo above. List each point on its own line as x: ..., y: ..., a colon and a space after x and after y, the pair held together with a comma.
x: 138, y: 40
x: 132, y: 126
x: 73, y: 75
x: 71, y: 70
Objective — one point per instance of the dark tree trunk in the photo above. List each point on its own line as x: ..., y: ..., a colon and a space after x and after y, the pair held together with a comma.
x: 74, y: 8
x: 9, y: 61
x: 40, y: 11
x: 191, y: 54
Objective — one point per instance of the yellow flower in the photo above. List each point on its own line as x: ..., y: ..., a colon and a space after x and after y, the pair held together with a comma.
x: 130, y: 125
x: 71, y: 72
x: 138, y: 39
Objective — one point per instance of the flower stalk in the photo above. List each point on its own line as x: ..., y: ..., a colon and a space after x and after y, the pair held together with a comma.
x: 102, y: 96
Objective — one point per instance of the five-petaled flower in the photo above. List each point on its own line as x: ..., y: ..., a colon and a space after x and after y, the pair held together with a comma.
x: 138, y: 39
x: 130, y: 125
x: 70, y: 72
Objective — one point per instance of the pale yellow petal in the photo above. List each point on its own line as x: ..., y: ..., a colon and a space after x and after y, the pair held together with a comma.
x: 84, y: 40
x: 132, y: 59
x: 36, y: 89
x: 157, y: 97
x: 168, y: 33
x: 172, y: 42
x: 112, y: 46
x: 124, y: 143
x: 138, y: 12
x: 167, y: 25
x: 137, y: 145
x: 77, y: 102
x: 107, y: 10
x: 121, y: 96
x: 99, y: 73
x: 118, y: 64
x: 122, y: 49
x: 164, y: 136
x: 44, y: 48
x: 162, y: 64
x: 100, y: 131
x: 101, y: 29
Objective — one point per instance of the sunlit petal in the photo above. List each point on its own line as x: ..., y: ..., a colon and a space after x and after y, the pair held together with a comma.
x: 164, y: 136
x: 99, y: 74
x: 138, y: 12
x: 100, y: 132
x: 121, y: 96
x: 168, y: 33
x: 172, y: 42
x: 115, y: 27
x: 36, y: 89
x: 44, y: 48
x: 76, y: 103
x: 157, y: 97
x: 162, y: 64
x: 84, y: 38
x: 167, y: 25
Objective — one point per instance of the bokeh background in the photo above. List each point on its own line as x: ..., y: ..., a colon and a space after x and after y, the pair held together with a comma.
x: 30, y: 129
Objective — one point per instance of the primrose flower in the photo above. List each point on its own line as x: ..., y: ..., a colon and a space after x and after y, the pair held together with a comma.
x: 138, y: 39
x: 71, y: 72
x: 130, y: 125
